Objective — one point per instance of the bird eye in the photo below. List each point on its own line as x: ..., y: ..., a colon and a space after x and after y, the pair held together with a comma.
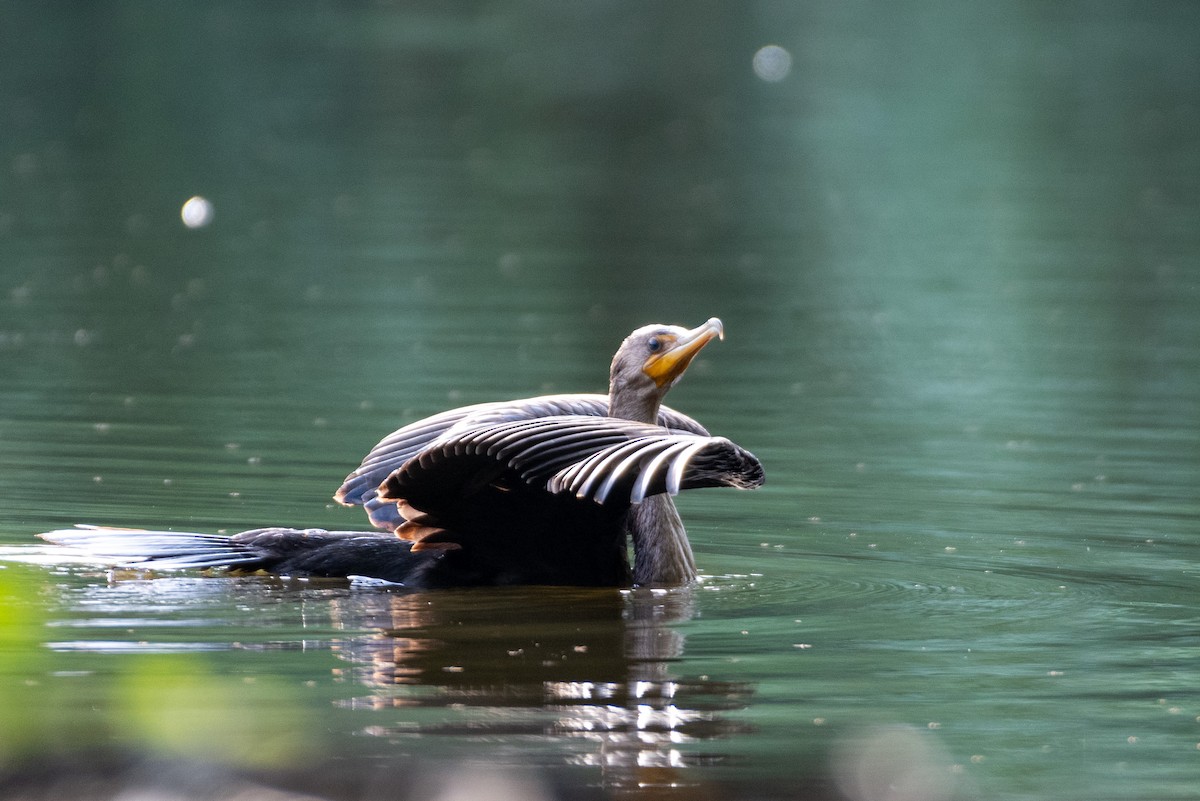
x: 654, y: 344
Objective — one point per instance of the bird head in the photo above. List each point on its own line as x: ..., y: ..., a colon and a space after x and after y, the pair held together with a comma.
x: 649, y: 362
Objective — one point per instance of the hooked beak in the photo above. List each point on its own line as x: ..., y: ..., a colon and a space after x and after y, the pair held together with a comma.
x: 668, y: 365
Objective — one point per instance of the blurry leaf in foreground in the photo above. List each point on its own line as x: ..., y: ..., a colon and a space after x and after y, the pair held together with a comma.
x: 23, y: 661
x: 174, y: 705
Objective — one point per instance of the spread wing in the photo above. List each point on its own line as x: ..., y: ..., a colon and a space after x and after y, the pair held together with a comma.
x: 395, y: 450
x: 601, y: 459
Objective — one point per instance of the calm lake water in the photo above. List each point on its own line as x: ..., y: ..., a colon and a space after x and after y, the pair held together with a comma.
x: 957, y: 253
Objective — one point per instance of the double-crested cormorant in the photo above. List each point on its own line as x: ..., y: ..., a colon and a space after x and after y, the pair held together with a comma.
x: 545, y: 490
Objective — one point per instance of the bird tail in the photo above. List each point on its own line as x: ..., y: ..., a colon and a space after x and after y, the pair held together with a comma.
x: 160, y: 550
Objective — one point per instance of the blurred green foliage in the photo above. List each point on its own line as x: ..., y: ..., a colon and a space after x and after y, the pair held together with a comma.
x: 171, y: 705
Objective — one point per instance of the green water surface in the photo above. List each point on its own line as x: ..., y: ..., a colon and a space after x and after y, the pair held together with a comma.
x: 956, y: 248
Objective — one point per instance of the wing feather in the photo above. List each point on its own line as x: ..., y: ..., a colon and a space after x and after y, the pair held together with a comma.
x: 632, y: 460
x: 397, y: 448
x: 641, y: 487
x: 602, y: 464
x: 605, y: 460
x: 666, y: 463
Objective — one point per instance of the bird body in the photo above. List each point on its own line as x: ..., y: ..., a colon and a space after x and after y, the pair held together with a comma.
x: 544, y: 490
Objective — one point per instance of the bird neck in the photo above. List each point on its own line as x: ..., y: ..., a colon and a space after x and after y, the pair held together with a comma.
x: 662, y: 555
x: 640, y: 407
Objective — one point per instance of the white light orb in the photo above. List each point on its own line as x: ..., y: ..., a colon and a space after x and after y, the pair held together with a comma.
x: 197, y: 212
x: 772, y: 63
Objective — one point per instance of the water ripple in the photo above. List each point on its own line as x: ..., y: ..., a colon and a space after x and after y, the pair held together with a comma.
x: 857, y: 582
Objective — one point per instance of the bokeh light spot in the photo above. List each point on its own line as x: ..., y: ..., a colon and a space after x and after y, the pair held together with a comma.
x: 197, y: 212
x: 772, y: 63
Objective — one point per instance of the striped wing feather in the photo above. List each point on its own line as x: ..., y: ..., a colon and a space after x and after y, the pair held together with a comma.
x: 594, y: 458
x: 394, y: 450
x: 632, y: 471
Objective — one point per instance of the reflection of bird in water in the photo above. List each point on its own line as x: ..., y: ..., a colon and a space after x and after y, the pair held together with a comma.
x: 594, y: 671
x: 546, y: 490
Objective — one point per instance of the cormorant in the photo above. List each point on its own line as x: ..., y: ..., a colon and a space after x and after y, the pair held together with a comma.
x: 544, y: 490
